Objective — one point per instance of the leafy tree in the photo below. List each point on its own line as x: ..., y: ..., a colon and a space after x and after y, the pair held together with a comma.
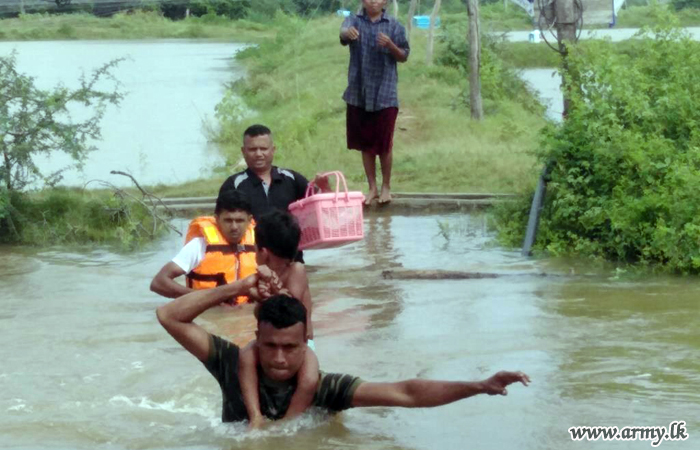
x: 233, y: 9
x: 499, y: 80
x: 36, y: 121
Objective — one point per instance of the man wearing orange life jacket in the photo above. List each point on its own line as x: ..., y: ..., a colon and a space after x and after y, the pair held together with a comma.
x: 218, y: 250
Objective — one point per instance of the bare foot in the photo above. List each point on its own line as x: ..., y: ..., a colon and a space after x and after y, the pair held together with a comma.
x: 371, y: 196
x: 385, y: 197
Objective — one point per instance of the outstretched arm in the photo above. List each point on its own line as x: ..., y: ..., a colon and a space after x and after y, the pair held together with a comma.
x: 419, y: 393
x: 177, y: 316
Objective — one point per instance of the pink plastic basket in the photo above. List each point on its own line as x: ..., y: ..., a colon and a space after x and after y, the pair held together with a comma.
x: 329, y: 219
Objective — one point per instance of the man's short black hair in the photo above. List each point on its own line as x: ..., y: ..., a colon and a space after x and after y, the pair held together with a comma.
x: 257, y: 130
x: 232, y: 200
x: 282, y: 311
x: 279, y: 232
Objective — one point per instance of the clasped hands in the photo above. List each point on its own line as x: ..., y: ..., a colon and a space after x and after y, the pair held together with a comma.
x: 267, y: 285
x: 352, y: 34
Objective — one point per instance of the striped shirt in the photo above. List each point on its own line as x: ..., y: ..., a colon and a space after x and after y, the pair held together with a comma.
x: 372, y: 72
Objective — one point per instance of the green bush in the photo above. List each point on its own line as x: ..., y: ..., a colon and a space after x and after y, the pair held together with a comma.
x: 626, y: 161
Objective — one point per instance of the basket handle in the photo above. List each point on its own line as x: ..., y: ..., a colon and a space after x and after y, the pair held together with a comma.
x: 338, y: 178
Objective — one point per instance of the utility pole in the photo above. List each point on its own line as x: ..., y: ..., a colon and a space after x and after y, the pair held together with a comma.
x: 477, y: 108
x: 409, y: 21
x: 566, y: 35
x: 21, y: 7
x: 431, y: 33
x: 566, y: 16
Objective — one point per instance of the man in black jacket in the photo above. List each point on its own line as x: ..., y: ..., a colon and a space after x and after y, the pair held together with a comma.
x: 267, y: 186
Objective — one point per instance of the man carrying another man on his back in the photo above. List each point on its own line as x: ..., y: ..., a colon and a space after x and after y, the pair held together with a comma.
x: 218, y: 250
x: 281, y: 346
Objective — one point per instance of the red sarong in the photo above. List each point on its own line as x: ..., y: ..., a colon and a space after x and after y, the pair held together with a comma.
x: 371, y: 132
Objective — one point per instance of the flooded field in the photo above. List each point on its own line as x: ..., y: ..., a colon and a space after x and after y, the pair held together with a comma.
x: 85, y: 364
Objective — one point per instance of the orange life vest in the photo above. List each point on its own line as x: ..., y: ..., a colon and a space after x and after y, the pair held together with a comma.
x: 223, y: 262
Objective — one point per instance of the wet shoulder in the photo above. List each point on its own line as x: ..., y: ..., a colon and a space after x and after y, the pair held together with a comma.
x: 222, y: 361
x: 335, y: 391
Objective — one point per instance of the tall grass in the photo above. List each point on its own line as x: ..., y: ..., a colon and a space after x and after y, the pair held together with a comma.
x: 493, y: 17
x: 642, y: 16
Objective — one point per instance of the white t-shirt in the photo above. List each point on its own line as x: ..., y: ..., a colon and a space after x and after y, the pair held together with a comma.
x: 191, y: 254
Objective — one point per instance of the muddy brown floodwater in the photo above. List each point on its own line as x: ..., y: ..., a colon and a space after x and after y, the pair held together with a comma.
x: 84, y: 363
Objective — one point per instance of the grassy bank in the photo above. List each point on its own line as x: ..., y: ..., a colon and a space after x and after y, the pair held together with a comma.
x: 494, y: 17
x: 525, y: 55
x: 295, y: 85
x: 137, y: 25
x: 296, y: 79
x: 77, y: 216
x: 648, y: 16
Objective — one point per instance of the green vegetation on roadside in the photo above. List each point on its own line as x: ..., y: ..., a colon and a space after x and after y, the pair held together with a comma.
x: 296, y: 81
x: 76, y: 216
x: 493, y: 17
x: 524, y: 55
x: 626, y: 161
x: 136, y: 25
x: 649, y: 15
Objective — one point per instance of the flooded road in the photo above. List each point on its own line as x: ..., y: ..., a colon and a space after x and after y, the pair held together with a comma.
x: 158, y: 133
x: 85, y: 364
